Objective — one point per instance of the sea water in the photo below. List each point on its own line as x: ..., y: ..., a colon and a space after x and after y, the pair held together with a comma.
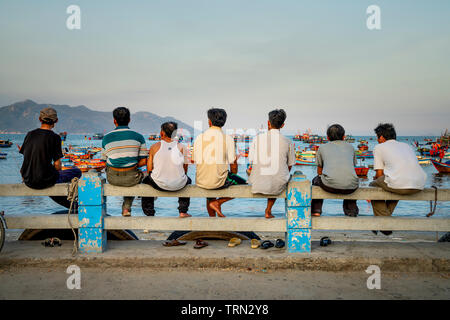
x: 10, y: 173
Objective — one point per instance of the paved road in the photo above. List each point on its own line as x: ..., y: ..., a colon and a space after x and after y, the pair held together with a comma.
x: 117, y: 283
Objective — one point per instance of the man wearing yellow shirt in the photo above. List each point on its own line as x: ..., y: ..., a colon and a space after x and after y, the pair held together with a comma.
x: 215, y: 157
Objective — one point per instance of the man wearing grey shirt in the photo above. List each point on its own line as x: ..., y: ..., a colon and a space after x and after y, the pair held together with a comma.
x: 271, y: 156
x: 336, y: 162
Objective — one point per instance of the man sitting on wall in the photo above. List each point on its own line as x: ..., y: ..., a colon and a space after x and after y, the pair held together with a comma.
x: 125, y: 151
x: 42, y: 155
x: 336, y: 162
x: 167, y: 167
x: 271, y: 157
x: 396, y: 168
x: 214, y: 153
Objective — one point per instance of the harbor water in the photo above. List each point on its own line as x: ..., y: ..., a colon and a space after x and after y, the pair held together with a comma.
x: 10, y: 173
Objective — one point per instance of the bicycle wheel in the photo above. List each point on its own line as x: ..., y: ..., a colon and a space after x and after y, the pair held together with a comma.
x: 2, y: 231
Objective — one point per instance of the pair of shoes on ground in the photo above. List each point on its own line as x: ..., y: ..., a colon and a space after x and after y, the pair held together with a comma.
x: 174, y: 243
x: 386, y: 233
x: 52, y: 242
x: 279, y: 243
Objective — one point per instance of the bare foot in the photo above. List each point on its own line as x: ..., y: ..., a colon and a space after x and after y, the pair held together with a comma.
x: 126, y: 213
x: 184, y: 215
x: 269, y: 215
x: 215, y: 205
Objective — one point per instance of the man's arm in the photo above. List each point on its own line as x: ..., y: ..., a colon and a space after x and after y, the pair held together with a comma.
x: 149, y: 160
x: 234, y: 166
x: 319, y: 170
x: 57, y: 164
x: 378, y: 173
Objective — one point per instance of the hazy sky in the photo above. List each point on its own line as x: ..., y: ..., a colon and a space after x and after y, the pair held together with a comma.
x: 315, y: 59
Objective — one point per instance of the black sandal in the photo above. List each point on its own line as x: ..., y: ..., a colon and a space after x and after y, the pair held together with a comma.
x: 52, y: 242
x: 279, y: 244
x: 266, y: 244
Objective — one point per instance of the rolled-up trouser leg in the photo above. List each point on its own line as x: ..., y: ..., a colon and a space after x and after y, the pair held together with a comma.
x: 183, y: 203
x: 350, y: 208
x: 316, y: 204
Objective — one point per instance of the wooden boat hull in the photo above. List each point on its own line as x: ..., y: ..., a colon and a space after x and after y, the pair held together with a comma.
x: 440, y: 166
x: 361, y: 171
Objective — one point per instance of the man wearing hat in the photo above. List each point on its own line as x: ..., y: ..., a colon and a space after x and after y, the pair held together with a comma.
x: 42, y: 155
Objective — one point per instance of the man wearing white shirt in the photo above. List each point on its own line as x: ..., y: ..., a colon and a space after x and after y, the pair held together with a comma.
x: 397, y: 170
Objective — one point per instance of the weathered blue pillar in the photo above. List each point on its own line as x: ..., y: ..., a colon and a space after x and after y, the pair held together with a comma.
x: 91, y: 212
x: 298, y: 213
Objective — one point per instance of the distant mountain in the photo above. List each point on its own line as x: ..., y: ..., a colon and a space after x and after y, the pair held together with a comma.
x: 21, y: 117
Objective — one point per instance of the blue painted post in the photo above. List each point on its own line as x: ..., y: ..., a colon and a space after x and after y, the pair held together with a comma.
x: 298, y: 214
x: 91, y: 212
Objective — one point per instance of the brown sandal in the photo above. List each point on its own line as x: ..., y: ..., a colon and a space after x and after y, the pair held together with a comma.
x: 200, y: 244
x: 173, y: 243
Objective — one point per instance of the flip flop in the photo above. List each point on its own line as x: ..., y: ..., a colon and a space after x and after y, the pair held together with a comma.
x: 174, y: 243
x: 255, y: 243
x: 279, y: 243
x: 316, y: 214
x: 267, y: 244
x: 200, y: 244
x: 234, y: 242
x: 52, y: 242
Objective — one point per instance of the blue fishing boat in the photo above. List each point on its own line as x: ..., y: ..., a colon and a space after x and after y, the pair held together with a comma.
x: 3, y: 155
x: 5, y: 144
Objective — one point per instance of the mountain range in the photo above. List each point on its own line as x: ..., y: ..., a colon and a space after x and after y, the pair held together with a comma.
x: 23, y: 116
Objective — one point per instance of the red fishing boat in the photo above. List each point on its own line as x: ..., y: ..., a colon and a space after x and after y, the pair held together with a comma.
x: 361, y: 171
x: 441, y: 166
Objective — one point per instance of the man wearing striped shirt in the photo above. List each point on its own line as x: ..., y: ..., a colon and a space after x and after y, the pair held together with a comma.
x: 124, y: 151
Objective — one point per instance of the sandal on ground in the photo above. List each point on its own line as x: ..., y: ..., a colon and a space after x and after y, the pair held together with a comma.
x: 279, y: 243
x: 234, y: 242
x: 52, y: 242
x: 316, y: 214
x: 200, y: 244
x: 255, y: 243
x: 267, y: 244
x: 173, y: 243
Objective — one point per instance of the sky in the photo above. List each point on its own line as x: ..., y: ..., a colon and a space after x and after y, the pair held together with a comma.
x: 315, y: 59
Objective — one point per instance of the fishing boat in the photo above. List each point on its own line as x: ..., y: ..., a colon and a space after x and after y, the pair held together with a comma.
x: 3, y: 155
x: 63, y: 135
x: 154, y: 137
x: 441, y: 167
x: 423, y: 161
x: 86, y: 165
x: 363, y: 146
x: 297, y: 137
x: 5, y: 143
x: 97, y: 136
x: 349, y: 139
x: 361, y: 171
x: 364, y: 154
x: 301, y: 161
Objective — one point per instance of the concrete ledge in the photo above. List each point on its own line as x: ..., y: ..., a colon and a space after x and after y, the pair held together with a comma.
x: 9, y: 190
x: 192, y: 191
x: 20, y: 190
x: 340, y: 256
x: 371, y: 193
x: 234, y: 224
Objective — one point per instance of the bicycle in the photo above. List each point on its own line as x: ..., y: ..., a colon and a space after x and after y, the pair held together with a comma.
x: 2, y: 230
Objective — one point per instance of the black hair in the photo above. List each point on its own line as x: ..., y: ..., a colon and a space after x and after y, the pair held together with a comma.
x: 47, y: 121
x: 335, y: 132
x: 169, y: 128
x: 386, y: 130
x: 217, y: 116
x: 277, y: 118
x: 122, y: 116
